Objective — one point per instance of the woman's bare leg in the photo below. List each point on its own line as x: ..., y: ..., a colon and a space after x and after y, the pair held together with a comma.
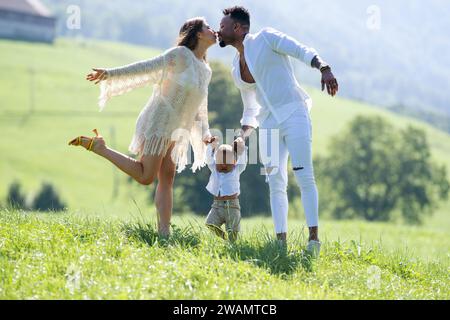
x: 143, y: 171
x: 164, y: 193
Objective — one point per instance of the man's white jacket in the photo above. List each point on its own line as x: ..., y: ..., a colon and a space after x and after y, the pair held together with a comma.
x: 276, y: 89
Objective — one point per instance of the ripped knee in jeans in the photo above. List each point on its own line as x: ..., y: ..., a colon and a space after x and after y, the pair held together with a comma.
x: 298, y: 168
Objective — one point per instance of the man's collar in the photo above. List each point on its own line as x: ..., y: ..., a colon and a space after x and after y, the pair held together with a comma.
x: 246, y: 37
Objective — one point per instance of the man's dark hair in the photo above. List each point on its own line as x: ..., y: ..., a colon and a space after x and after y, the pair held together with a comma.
x: 238, y: 14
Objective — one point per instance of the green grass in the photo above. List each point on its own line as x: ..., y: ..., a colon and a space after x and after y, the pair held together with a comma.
x: 64, y: 256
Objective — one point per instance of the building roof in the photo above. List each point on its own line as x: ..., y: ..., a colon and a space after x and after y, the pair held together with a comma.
x: 34, y: 7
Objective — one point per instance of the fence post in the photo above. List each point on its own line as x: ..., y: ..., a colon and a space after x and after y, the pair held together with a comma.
x: 115, y: 190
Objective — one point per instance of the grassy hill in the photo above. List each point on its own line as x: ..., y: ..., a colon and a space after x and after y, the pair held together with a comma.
x: 99, y: 249
x: 66, y: 257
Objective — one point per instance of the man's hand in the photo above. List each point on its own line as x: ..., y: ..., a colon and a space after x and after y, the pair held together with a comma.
x: 97, y: 76
x: 246, y: 131
x: 330, y: 81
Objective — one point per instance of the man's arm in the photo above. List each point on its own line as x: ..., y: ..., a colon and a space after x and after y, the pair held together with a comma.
x: 284, y: 44
x: 318, y: 63
x: 251, y: 110
x: 245, y: 132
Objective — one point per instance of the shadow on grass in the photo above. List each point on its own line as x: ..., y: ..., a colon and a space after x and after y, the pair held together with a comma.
x: 146, y: 233
x: 263, y: 252
x: 271, y: 255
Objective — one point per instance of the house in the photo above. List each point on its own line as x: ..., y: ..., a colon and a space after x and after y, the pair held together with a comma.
x: 27, y: 20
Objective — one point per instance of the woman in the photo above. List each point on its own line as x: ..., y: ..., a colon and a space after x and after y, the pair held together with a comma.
x: 175, y: 115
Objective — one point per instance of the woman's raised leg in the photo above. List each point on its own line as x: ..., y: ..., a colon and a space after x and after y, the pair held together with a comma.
x: 143, y: 171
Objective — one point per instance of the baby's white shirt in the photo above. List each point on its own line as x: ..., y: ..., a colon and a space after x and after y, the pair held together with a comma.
x: 221, y: 183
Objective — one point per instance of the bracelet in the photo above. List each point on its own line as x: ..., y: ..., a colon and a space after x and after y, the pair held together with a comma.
x: 325, y: 67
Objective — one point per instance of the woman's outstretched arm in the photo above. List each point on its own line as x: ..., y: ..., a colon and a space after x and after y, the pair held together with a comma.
x: 120, y: 80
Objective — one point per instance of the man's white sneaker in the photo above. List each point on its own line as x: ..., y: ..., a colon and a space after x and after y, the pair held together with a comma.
x: 313, y: 248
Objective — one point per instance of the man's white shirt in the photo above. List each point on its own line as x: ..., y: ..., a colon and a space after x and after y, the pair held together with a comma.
x: 276, y: 89
x: 224, y: 184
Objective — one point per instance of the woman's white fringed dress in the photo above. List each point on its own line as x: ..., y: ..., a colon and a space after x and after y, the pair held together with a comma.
x: 177, y: 109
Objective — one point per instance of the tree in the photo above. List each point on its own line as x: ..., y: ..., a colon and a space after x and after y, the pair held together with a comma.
x: 48, y: 199
x: 15, y: 199
x: 373, y: 170
x: 422, y: 183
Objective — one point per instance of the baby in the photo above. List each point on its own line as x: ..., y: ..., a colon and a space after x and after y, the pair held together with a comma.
x: 226, y: 164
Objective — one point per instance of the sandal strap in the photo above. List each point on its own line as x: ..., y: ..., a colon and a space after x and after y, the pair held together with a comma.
x: 76, y: 141
x: 90, y: 144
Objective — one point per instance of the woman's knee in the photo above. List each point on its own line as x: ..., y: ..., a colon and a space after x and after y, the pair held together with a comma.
x: 146, y: 180
x: 151, y: 165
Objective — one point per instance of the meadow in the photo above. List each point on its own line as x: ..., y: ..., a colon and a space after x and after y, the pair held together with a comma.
x: 105, y: 245
x: 68, y: 257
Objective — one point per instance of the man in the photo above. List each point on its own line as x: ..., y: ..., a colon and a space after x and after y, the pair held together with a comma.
x: 273, y: 99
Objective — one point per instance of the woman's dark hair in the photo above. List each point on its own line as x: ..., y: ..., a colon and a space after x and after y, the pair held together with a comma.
x: 238, y: 14
x: 188, y: 33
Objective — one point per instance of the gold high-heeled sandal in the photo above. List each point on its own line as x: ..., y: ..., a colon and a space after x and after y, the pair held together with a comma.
x: 77, y: 141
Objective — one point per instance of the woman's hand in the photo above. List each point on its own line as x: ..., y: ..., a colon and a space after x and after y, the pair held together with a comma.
x: 210, y: 139
x: 97, y: 76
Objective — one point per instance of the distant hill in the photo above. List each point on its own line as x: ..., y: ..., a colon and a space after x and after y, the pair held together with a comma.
x: 394, y: 54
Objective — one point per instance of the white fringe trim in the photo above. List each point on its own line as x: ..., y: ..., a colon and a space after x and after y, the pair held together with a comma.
x: 158, y: 145
x: 155, y: 145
